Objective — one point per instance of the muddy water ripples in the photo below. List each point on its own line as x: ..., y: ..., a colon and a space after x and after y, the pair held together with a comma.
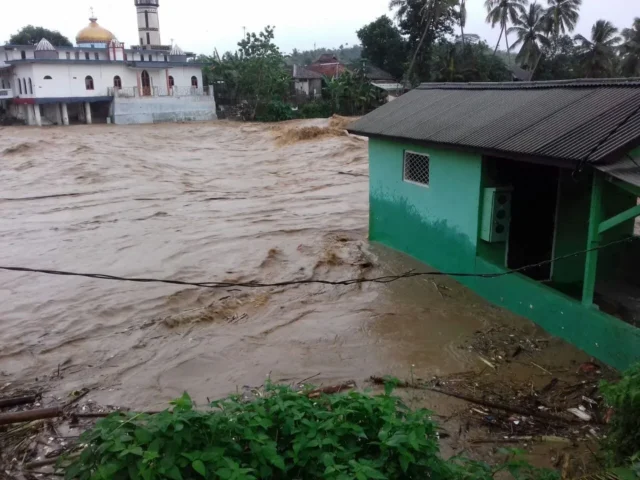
x: 220, y: 202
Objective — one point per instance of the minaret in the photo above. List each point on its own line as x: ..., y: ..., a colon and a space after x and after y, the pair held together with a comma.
x: 148, y: 23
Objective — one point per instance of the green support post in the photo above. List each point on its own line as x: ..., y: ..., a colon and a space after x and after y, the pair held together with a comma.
x: 593, y: 241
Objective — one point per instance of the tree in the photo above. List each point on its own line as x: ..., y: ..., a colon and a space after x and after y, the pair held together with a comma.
x: 31, y: 35
x: 599, y: 54
x: 255, y: 73
x: 455, y: 62
x: 529, y: 28
x: 502, y: 12
x: 561, y: 17
x: 559, y: 61
x: 630, y: 50
x: 424, y: 21
x: 383, y: 46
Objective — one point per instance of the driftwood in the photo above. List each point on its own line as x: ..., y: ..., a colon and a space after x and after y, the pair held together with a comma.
x: 499, y: 406
x: 15, y: 401
x: 525, y: 438
x: 30, y: 415
x: 332, y: 389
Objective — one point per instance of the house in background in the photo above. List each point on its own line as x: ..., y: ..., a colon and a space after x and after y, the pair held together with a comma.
x: 306, y: 82
x: 531, y: 187
x: 328, y: 66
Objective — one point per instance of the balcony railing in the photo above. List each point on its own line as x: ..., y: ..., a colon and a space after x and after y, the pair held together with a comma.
x: 135, y: 92
x: 6, y: 93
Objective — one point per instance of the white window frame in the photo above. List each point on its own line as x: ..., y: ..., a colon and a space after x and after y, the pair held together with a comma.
x: 404, y: 168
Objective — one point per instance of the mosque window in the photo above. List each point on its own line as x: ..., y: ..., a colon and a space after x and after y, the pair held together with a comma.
x: 148, y: 39
x: 3, y: 83
x: 23, y: 54
x: 166, y: 59
x: 96, y: 56
x: 194, y: 81
x: 30, y: 87
x: 151, y: 58
x: 146, y: 18
x: 171, y: 82
x: 68, y: 55
x: 88, y: 82
x: 48, y: 77
x: 24, y: 85
x: 77, y: 55
x: 86, y: 55
x: 19, y: 86
x: 117, y: 82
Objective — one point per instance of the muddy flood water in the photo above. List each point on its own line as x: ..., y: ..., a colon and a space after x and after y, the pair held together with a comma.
x: 217, y: 201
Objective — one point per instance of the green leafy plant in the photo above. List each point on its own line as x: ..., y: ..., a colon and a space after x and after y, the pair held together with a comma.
x: 281, y: 434
x: 317, y: 109
x: 623, y: 440
x: 275, y: 111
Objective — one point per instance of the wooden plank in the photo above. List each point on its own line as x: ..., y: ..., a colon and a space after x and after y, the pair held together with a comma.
x: 618, y: 219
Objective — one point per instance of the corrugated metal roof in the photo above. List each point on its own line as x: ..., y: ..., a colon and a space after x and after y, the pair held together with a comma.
x: 627, y: 169
x: 559, y: 120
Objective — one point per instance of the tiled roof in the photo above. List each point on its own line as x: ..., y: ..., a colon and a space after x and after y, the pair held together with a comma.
x: 304, y: 73
x: 561, y: 121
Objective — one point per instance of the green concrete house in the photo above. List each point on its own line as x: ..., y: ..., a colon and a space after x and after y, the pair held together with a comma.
x: 490, y: 178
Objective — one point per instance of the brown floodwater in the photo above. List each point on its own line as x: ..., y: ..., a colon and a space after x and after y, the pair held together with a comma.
x: 217, y: 202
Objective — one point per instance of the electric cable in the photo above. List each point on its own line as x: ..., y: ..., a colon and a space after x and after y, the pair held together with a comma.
x: 351, y: 281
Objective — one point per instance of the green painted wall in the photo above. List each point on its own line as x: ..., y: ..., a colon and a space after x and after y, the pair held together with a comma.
x: 438, y: 224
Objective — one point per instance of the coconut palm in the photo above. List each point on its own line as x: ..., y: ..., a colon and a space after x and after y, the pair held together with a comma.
x: 562, y: 16
x: 463, y: 18
x: 504, y: 12
x: 529, y: 28
x: 430, y: 13
x: 599, y: 52
x: 630, y: 50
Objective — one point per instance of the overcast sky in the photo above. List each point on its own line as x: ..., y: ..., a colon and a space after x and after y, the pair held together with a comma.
x: 201, y: 25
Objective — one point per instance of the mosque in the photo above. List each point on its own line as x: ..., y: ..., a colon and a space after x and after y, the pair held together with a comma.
x: 99, y: 80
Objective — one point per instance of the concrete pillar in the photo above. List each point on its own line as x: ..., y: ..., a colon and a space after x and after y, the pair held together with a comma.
x: 65, y: 114
x: 58, y: 114
x: 30, y: 115
x: 37, y: 115
x: 87, y: 112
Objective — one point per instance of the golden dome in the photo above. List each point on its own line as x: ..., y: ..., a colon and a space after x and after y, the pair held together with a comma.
x: 94, y: 33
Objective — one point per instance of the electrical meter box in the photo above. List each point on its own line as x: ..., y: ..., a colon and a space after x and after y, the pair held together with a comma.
x: 496, y: 214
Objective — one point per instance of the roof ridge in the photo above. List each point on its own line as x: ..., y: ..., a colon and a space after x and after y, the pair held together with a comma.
x: 578, y: 83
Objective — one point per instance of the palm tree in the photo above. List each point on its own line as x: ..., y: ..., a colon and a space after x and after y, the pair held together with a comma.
x: 599, y: 53
x: 463, y: 18
x: 529, y: 28
x: 630, y: 50
x: 431, y: 12
x: 562, y: 16
x: 502, y: 12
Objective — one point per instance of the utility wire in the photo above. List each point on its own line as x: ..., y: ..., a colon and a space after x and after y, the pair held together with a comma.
x: 351, y: 281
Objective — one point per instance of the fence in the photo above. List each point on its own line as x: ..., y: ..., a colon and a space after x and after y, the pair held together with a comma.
x: 134, y: 92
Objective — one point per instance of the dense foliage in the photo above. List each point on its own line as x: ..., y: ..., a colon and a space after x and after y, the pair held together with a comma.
x: 623, y: 439
x: 31, y: 35
x: 384, y: 46
x: 255, y: 73
x: 279, y: 435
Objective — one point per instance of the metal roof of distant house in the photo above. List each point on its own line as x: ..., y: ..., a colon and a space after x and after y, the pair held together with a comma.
x: 374, y: 73
x: 520, y: 74
x: 560, y: 122
x: 304, y: 73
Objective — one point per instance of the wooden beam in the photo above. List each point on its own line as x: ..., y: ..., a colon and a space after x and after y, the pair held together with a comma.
x: 633, y: 212
x: 593, y: 241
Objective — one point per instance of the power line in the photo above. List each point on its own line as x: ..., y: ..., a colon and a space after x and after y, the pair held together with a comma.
x: 351, y: 281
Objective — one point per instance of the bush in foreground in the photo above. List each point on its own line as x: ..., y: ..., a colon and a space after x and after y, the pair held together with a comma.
x: 282, y: 434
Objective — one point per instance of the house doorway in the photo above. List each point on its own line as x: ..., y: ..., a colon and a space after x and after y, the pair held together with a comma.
x: 146, y: 83
x: 533, y: 217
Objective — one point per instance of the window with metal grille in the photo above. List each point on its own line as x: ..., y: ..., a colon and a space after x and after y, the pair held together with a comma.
x: 416, y: 168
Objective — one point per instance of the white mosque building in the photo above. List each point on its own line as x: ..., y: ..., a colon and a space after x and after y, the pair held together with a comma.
x: 101, y: 80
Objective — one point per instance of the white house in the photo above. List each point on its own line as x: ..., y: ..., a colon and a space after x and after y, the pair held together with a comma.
x: 100, y: 79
